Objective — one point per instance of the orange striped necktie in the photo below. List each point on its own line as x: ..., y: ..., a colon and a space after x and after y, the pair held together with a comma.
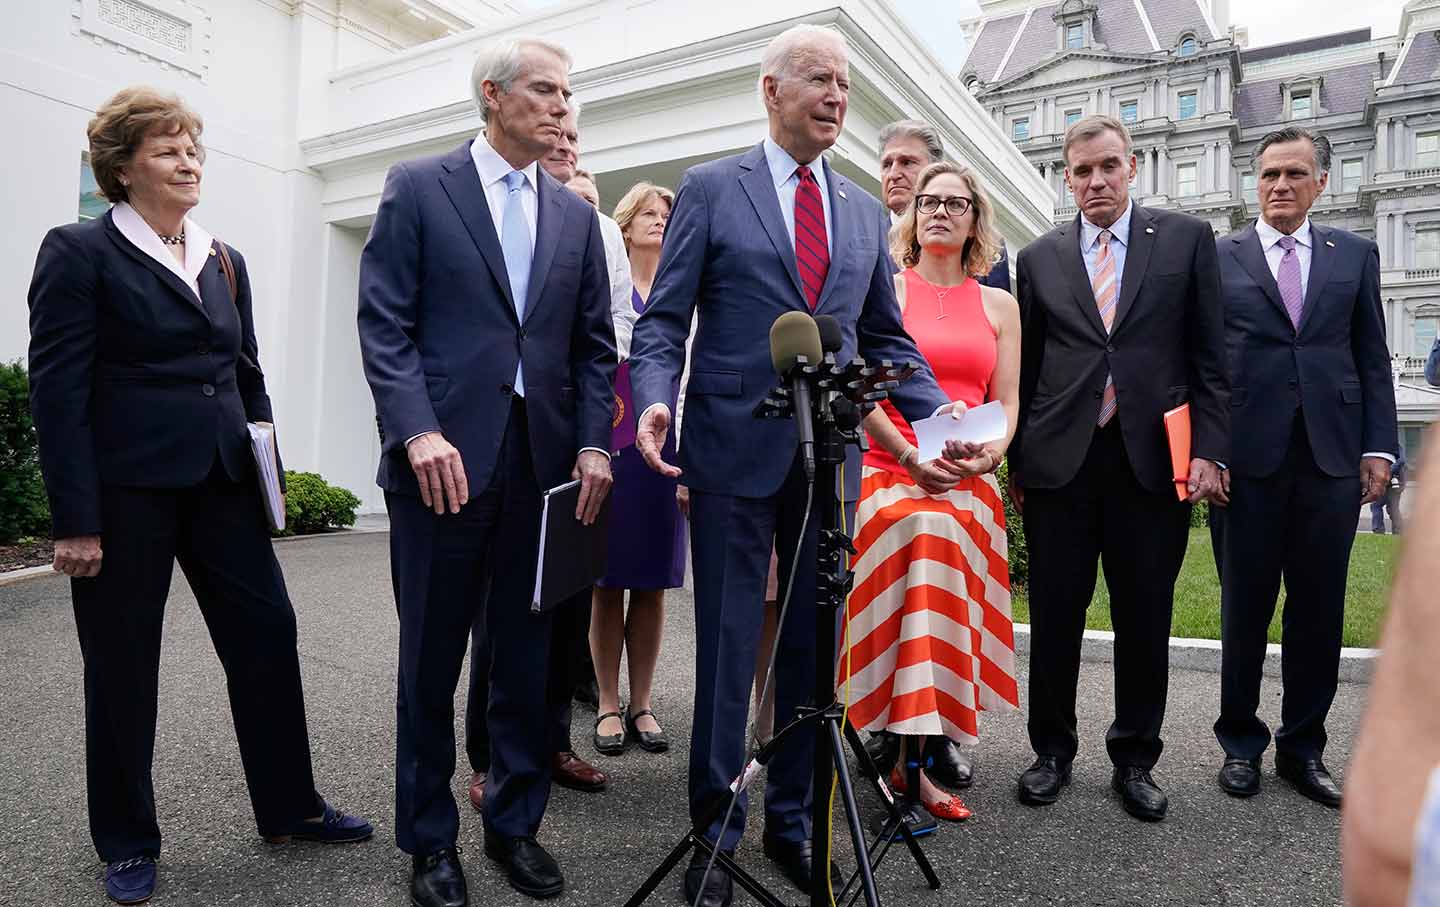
x: 1106, y: 287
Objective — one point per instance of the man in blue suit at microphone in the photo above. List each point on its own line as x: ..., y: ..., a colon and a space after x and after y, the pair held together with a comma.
x: 751, y: 237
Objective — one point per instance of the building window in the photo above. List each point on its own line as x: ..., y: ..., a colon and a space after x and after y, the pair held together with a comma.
x: 1352, y: 174
x: 1129, y: 111
x: 1075, y: 36
x: 1188, y: 46
x: 1300, y: 106
x: 1424, y: 334
x: 92, y: 205
x: 1427, y: 149
x: 1072, y: 117
x: 1427, y: 248
x: 1187, y: 180
x: 1020, y: 129
x: 1247, y: 188
x: 1189, y: 104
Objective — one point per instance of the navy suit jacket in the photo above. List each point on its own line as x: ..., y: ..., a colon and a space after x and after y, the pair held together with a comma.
x: 440, y: 339
x: 727, y: 253
x: 1335, y: 368
x: 134, y: 381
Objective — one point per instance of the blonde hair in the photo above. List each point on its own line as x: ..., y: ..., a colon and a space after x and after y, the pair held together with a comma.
x: 982, y: 247
x: 634, y: 199
x: 120, y: 126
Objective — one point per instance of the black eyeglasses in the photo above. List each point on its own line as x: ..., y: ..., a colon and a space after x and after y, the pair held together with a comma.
x: 955, y: 205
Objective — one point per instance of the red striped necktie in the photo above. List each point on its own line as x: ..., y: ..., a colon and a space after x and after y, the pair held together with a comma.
x: 812, y: 252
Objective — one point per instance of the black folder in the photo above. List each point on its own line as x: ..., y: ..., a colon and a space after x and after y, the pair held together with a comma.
x: 572, y: 555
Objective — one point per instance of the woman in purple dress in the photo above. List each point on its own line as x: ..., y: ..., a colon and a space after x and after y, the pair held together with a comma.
x: 647, y: 533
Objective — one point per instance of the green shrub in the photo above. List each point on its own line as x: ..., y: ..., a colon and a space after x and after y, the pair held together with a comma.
x: 314, y: 505
x: 24, y: 509
x: 1200, y: 515
x: 1015, y: 532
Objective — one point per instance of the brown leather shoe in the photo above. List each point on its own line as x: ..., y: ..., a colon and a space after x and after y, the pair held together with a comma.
x: 569, y: 770
x: 477, y: 791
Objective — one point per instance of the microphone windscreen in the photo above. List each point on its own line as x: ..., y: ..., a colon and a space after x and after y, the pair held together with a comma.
x: 793, y: 334
x: 831, y: 338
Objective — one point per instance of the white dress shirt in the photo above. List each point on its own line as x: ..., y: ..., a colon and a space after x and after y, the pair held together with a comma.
x: 197, y: 244
x: 492, y: 169
x: 1305, y: 251
x: 622, y: 307
x: 782, y: 171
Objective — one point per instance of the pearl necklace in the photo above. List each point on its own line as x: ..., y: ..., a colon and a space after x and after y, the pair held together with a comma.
x: 177, y: 240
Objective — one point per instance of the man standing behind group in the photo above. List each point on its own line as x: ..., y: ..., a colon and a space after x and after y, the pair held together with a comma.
x: 1315, y: 434
x: 486, y: 338
x: 751, y: 237
x: 1120, y: 321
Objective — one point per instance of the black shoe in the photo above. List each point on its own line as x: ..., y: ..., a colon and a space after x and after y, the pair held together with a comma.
x: 796, y: 861
x: 1139, y: 793
x: 532, y: 871
x: 1240, y: 777
x: 1041, y: 783
x: 1310, y: 777
x: 650, y: 743
x: 609, y: 744
x: 719, y: 889
x: 436, y: 880
x: 884, y: 750
x: 949, y: 766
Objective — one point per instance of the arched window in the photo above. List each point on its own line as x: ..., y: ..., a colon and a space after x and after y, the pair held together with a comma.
x: 1188, y: 46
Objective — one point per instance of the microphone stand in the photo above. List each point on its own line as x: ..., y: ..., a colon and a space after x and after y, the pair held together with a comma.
x: 838, y: 391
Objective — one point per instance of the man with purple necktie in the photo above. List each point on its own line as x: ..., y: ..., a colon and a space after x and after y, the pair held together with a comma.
x: 1313, y: 416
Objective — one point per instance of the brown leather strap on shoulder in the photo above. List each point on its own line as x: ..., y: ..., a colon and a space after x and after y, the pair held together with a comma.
x: 227, y: 267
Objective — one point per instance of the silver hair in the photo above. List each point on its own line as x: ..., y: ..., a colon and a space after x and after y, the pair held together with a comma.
x: 914, y: 129
x: 1297, y: 134
x: 779, y: 57
x: 500, y: 63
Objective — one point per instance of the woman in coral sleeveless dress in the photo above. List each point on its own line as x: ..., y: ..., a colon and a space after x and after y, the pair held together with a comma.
x: 930, y: 641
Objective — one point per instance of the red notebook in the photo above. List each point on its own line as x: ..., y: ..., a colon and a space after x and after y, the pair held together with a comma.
x: 1177, y: 432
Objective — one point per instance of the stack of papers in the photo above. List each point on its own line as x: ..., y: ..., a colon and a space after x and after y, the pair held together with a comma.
x: 978, y: 426
x: 267, y: 469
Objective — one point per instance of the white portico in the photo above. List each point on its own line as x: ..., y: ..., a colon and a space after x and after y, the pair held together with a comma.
x: 665, y: 84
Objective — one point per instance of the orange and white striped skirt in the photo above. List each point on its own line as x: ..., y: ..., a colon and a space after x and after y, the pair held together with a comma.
x: 931, y: 642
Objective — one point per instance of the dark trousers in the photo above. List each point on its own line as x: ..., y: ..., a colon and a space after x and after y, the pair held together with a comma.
x: 1138, y: 537
x: 445, y: 569
x: 1297, y: 525
x: 731, y: 538
x: 569, y: 633
x: 217, y: 531
x: 1391, y: 502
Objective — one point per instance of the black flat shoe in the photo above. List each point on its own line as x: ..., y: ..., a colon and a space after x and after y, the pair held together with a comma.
x: 650, y: 743
x: 949, y: 765
x: 531, y: 870
x: 1139, y: 794
x: 719, y: 888
x: 437, y: 880
x: 1041, y: 783
x: 1240, y: 777
x: 608, y: 744
x: 1310, y: 777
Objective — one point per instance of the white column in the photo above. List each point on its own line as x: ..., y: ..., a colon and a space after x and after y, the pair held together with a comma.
x: 1399, y: 256
x: 1162, y: 171
x: 1382, y: 239
x: 1162, y: 97
x: 1226, y: 177
x: 1206, y: 168
x: 1401, y: 144
x: 1382, y: 140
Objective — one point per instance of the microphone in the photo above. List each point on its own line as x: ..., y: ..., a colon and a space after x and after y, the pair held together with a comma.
x: 831, y: 337
x: 795, y: 334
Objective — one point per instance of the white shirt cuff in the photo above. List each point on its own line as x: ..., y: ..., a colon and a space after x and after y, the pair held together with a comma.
x: 413, y: 437
x: 598, y: 450
x: 1381, y: 454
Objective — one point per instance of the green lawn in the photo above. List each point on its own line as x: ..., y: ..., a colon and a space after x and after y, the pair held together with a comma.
x: 1197, y: 593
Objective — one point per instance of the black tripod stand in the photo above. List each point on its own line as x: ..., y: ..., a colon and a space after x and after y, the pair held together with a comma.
x: 838, y: 392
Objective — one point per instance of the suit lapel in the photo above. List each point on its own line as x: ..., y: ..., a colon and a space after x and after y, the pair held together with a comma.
x: 1251, y: 255
x: 1137, y: 260
x: 1322, y: 259
x: 549, y: 221
x: 1072, y: 265
x: 167, y: 276
x: 841, y: 227
x: 756, y: 180
x: 461, y: 183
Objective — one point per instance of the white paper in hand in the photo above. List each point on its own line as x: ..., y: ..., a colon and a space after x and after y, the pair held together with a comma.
x: 978, y: 426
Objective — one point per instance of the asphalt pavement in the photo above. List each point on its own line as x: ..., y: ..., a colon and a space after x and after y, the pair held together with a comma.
x: 1275, y: 849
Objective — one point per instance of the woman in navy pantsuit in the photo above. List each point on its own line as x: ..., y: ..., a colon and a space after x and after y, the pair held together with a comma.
x: 143, y: 374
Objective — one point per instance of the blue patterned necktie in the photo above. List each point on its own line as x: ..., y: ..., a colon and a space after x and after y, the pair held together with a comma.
x: 515, y: 243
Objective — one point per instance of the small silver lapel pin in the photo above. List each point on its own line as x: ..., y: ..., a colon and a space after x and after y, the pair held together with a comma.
x: 1149, y: 229
x: 1329, y: 243
x: 842, y: 193
x: 212, y: 250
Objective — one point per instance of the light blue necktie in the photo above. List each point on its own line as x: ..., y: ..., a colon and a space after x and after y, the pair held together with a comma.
x: 516, y: 245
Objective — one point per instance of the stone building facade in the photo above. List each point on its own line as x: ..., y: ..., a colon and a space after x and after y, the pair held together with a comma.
x: 1197, y: 99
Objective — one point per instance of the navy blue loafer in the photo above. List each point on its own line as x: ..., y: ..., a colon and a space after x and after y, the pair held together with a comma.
x: 130, y: 881
x: 335, y: 827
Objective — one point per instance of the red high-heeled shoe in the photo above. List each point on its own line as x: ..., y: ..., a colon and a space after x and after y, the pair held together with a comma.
x: 951, y: 809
